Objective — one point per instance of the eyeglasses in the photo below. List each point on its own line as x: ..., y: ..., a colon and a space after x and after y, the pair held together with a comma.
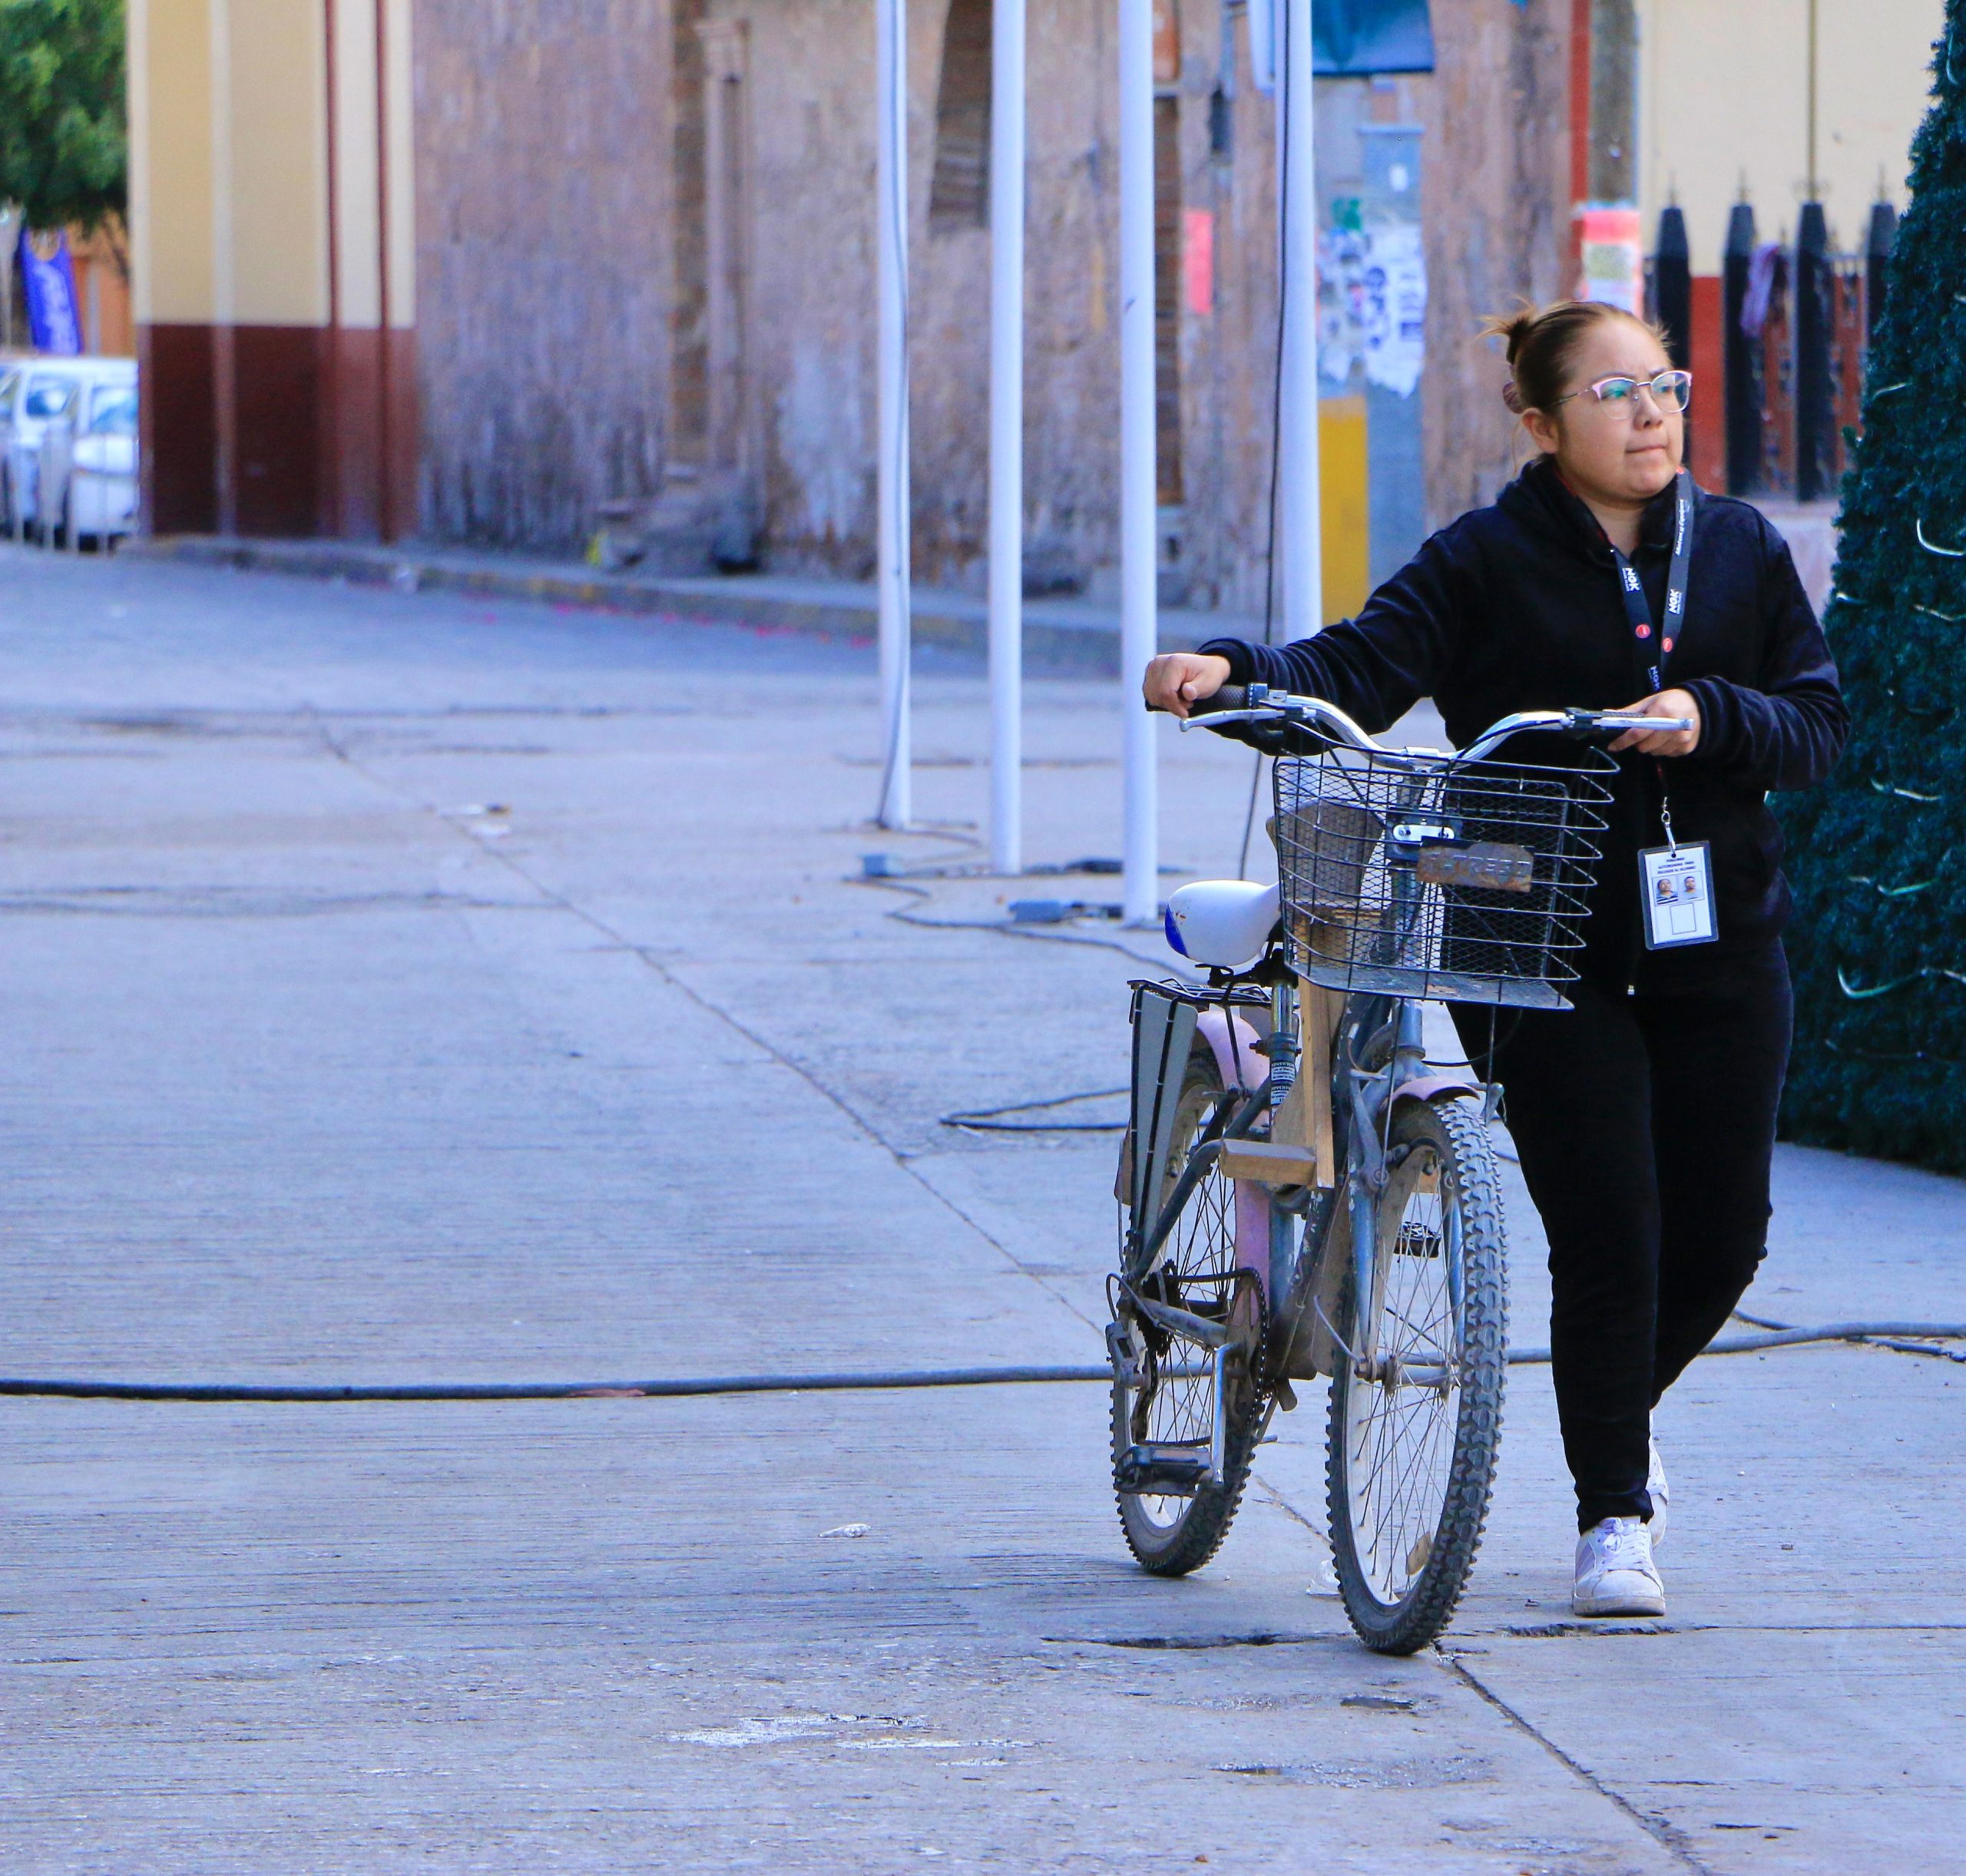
x: 1671, y: 390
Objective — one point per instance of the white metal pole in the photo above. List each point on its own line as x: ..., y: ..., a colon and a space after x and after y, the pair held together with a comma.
x: 1299, y: 520
x: 1139, y: 625
x: 1007, y: 82
x: 891, y: 496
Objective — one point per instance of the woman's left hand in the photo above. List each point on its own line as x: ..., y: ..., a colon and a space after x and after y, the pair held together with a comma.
x: 1663, y: 742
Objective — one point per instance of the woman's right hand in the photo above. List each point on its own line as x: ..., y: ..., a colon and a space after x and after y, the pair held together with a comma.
x: 1176, y: 678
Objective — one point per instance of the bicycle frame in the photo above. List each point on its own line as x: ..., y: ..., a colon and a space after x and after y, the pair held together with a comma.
x: 1341, y: 1065
x: 1351, y: 1059
x: 1302, y: 1221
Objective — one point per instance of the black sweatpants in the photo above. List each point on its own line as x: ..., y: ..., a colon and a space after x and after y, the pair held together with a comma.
x: 1645, y: 1126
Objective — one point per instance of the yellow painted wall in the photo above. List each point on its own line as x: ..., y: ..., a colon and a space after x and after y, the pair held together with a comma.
x: 357, y: 245
x: 400, y: 119
x: 359, y: 103
x: 170, y: 159
x: 228, y: 175
x: 279, y: 151
x: 1344, y: 505
x: 1723, y: 87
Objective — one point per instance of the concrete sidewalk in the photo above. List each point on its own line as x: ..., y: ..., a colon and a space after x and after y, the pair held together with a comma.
x: 425, y: 987
x: 1061, y: 634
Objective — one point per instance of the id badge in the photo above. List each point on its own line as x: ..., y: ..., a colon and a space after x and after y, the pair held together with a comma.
x: 1678, y: 884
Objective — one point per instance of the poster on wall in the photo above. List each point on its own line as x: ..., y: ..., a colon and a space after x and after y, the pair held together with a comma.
x: 1612, y: 253
x: 49, y: 284
x: 1372, y: 302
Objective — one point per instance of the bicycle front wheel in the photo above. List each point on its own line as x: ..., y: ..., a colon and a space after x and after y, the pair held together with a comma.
x: 1413, y: 1430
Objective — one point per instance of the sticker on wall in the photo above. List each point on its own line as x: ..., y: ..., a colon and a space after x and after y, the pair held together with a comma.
x: 1613, y: 258
x: 1371, y: 301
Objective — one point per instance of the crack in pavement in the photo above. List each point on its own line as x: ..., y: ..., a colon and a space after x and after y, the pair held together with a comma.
x: 667, y: 973
x: 1662, y: 1831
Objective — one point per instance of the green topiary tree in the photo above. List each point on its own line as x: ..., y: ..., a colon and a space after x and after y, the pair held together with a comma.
x: 1878, y: 855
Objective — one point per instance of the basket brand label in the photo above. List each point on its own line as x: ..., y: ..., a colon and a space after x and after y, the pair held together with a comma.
x: 1491, y: 865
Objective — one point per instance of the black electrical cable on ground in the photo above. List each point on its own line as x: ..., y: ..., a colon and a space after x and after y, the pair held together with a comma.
x: 1884, y: 1335
x: 849, y: 1382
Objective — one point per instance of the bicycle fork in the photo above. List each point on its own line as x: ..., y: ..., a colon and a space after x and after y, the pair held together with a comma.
x: 1373, y: 1092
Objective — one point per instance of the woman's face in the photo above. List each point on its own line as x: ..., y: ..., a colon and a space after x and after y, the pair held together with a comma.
x: 1617, y: 451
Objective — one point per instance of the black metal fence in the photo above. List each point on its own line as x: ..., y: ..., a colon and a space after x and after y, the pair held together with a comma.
x: 1783, y: 328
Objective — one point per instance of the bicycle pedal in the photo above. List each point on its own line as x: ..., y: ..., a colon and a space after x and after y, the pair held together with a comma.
x: 1146, y: 1469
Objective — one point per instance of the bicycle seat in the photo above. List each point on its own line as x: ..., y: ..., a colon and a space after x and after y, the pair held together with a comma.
x: 1222, y: 922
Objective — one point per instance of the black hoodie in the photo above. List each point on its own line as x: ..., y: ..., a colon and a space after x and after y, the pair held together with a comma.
x: 1516, y: 607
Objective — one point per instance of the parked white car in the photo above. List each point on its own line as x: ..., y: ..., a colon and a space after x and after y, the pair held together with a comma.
x: 87, y: 479
x: 45, y: 390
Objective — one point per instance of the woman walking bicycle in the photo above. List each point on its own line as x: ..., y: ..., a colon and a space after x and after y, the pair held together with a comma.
x: 1644, y: 1115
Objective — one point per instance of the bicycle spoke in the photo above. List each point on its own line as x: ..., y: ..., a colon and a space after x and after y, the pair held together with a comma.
x: 1401, y: 1445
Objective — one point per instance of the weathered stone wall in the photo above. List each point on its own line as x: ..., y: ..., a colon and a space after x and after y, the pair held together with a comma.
x: 1495, y: 204
x: 572, y: 189
x: 812, y: 333
x: 1495, y: 199
x: 811, y: 336
x: 543, y: 164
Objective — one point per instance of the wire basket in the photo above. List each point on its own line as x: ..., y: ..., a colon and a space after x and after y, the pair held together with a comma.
x: 1427, y: 876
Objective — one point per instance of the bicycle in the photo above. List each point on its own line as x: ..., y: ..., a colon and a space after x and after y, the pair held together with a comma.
x: 1317, y: 1199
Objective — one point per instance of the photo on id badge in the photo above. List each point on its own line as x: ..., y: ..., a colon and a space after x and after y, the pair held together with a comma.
x: 1678, y: 895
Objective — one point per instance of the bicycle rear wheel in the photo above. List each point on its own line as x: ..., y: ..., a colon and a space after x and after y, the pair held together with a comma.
x: 1177, y: 1474
x: 1412, y: 1441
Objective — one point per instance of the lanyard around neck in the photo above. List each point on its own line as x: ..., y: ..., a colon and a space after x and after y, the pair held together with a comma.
x: 1653, y: 644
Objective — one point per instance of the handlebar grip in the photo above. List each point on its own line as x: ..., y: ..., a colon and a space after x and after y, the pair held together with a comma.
x: 1229, y: 697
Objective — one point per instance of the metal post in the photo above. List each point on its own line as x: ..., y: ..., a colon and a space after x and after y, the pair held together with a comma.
x: 9, y: 232
x: 1006, y: 79
x: 1138, y: 622
x: 1881, y: 238
x: 1815, y: 391
x: 1672, y: 295
x: 891, y: 491
x: 1741, y: 352
x: 1299, y: 519
x: 1814, y: 192
x: 1672, y: 284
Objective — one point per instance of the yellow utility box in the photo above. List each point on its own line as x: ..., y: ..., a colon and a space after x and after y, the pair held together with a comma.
x: 1344, y: 506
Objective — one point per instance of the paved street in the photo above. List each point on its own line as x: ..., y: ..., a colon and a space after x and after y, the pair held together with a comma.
x: 415, y: 987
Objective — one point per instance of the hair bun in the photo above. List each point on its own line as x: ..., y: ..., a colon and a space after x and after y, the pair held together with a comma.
x: 1540, y: 346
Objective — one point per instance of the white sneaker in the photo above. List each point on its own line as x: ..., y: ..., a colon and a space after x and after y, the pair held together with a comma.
x: 1615, y: 1573
x: 1661, y: 1495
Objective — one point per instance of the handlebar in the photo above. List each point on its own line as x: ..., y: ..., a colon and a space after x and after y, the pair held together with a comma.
x: 1257, y: 703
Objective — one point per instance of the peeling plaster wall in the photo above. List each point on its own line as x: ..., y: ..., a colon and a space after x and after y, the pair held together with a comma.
x: 554, y: 283
x: 1494, y: 158
x: 543, y: 160
x: 1494, y: 193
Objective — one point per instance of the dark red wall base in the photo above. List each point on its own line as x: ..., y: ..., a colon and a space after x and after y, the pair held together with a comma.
x: 1707, y: 438
x: 178, y: 423
x: 405, y: 451
x: 279, y: 430
x: 275, y: 449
